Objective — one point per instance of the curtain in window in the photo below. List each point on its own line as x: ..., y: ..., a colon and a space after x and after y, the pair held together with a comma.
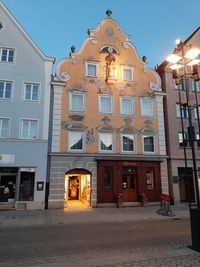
x: 76, y: 141
x: 126, y: 106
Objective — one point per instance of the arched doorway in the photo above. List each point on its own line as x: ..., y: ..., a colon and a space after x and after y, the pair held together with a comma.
x: 77, y: 188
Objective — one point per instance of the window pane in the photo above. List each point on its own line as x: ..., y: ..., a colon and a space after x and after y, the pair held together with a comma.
x: 77, y: 102
x: 127, y: 74
x: 149, y: 144
x: 91, y: 68
x: 147, y: 107
x: 8, y: 90
x: 11, y: 56
x: 75, y: 141
x: 33, y: 129
x: 1, y: 89
x: 25, y: 129
x: 4, y: 55
x: 126, y: 106
x: 28, y: 92
x: 105, y: 104
x: 178, y: 111
x: 35, y: 93
x: 106, y: 140
x: 4, y: 127
x: 128, y: 142
x: 108, y: 178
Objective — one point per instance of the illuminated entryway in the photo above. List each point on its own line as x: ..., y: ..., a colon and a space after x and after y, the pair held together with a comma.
x: 78, y: 187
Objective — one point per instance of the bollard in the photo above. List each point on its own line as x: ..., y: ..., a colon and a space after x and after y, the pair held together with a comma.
x: 119, y: 200
x: 143, y: 200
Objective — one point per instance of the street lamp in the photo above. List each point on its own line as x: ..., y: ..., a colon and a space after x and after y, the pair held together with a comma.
x: 185, y: 68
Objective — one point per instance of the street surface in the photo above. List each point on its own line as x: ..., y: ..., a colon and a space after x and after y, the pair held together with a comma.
x: 91, y: 238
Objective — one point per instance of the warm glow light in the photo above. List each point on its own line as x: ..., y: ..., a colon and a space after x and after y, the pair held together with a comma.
x: 176, y: 66
x: 194, y: 62
x: 173, y: 58
x: 192, y: 53
x: 178, y: 41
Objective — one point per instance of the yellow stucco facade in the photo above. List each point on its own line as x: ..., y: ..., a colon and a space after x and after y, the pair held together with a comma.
x: 107, y: 106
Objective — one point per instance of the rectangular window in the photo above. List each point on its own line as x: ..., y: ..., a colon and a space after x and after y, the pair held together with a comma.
x: 29, y: 129
x: 91, y: 69
x: 4, y: 127
x: 108, y: 178
x: 195, y: 112
x: 7, y: 55
x: 77, y: 102
x: 105, y: 142
x: 147, y: 107
x: 127, y: 73
x: 182, y: 138
x: 75, y: 141
x: 128, y: 144
x: 31, y: 92
x: 105, y: 104
x: 180, y: 86
x: 198, y: 140
x: 196, y: 86
x: 148, y: 144
x: 150, y: 179
x: 126, y: 105
x: 182, y: 109
x: 5, y: 89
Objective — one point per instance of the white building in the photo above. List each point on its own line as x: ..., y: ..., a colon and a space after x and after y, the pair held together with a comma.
x: 25, y: 74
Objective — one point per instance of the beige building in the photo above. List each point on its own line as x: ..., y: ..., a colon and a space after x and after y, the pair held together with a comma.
x: 108, y: 136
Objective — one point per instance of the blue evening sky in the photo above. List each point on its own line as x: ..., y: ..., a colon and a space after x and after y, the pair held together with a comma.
x: 154, y: 25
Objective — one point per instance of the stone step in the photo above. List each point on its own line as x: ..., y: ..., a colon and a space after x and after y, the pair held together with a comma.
x: 6, y: 206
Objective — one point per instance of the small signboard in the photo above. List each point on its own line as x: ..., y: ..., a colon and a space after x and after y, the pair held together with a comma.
x: 164, y: 197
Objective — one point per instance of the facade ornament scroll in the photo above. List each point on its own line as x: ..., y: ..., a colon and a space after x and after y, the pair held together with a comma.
x: 154, y: 86
x: 63, y: 76
x: 125, y: 45
x: 93, y: 41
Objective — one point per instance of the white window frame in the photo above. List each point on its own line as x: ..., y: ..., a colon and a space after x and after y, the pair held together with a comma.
x: 70, y: 101
x: 7, y: 56
x: 6, y: 81
x: 94, y: 64
x: 154, y: 141
x: 71, y: 133
x: 111, y: 104
x: 127, y: 68
x: 99, y: 138
x: 21, y: 131
x: 134, y: 143
x: 121, y: 107
x: 149, y: 114
x: 9, y: 123
x: 32, y: 84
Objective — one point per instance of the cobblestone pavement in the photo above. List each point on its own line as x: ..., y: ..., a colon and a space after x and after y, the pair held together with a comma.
x: 95, y: 238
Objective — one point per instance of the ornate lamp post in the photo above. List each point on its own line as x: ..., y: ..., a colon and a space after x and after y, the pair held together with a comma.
x: 184, y: 69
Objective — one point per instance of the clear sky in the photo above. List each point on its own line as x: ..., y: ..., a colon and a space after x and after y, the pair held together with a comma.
x: 154, y: 25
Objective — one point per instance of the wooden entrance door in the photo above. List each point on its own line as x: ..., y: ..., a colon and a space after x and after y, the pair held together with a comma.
x: 129, y: 184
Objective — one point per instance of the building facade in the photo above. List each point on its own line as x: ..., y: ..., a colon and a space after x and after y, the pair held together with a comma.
x: 176, y: 121
x: 25, y: 74
x: 108, y: 136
